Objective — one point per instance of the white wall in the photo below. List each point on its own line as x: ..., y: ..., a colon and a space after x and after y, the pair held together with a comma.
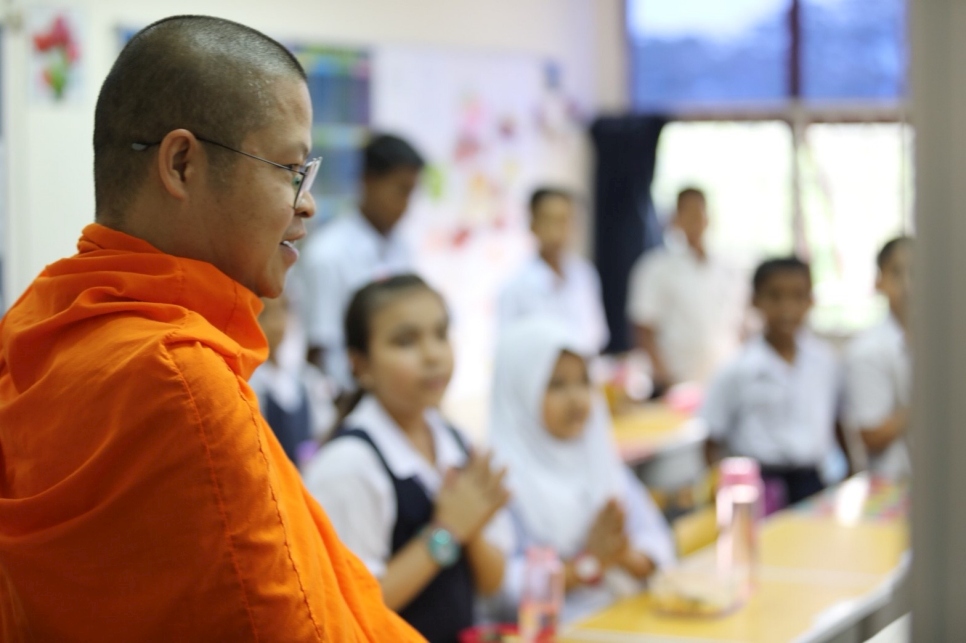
x: 51, y: 195
x: 937, y: 438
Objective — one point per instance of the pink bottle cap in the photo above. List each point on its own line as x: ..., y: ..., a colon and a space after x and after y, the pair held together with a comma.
x: 536, y: 554
x: 736, y: 471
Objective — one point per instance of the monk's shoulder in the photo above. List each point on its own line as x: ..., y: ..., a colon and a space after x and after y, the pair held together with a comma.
x: 148, y: 350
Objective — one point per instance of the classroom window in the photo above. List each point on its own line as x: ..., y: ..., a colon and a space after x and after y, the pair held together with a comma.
x: 707, y: 52
x: 828, y: 174
x: 856, y: 195
x: 749, y: 193
x: 853, y: 50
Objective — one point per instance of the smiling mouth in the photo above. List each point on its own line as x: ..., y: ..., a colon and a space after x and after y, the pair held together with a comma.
x: 291, y: 246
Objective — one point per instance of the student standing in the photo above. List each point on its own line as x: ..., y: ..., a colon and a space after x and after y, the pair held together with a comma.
x: 687, y: 305
x: 778, y: 400
x: 879, y: 370
x: 349, y: 252
x: 570, y: 489
x: 403, y: 488
x: 557, y: 282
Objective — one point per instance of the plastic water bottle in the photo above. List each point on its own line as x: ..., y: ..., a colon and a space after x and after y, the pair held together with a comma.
x: 542, y: 598
x: 739, y: 509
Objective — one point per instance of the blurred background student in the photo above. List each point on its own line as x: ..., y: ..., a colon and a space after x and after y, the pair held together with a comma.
x: 295, y: 398
x: 879, y: 370
x: 557, y: 282
x: 570, y: 489
x: 687, y: 305
x: 777, y: 401
x: 352, y: 250
x: 402, y: 487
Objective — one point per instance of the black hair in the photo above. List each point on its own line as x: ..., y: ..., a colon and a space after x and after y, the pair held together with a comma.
x: 768, y: 269
x: 689, y: 192
x: 386, y: 152
x: 365, y: 303
x: 545, y: 192
x: 890, y: 249
x: 369, y: 300
x: 211, y: 76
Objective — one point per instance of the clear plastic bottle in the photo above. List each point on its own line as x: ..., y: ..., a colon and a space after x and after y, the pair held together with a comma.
x: 542, y: 598
x: 739, y: 508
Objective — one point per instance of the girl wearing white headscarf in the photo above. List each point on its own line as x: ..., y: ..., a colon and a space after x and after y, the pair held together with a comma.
x: 569, y: 488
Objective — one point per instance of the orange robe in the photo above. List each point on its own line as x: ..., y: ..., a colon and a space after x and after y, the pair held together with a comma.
x: 142, y: 495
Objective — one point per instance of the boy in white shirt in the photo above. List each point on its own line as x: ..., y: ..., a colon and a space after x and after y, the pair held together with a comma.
x: 777, y: 401
x: 879, y: 369
x: 687, y: 306
x: 352, y: 250
x: 557, y: 282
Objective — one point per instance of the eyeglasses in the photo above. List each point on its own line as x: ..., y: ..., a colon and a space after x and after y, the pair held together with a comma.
x: 304, y: 174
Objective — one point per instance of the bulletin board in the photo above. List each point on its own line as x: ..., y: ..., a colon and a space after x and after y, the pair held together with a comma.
x: 339, y: 85
x: 492, y: 126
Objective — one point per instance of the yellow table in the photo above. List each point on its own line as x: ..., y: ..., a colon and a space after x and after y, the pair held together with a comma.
x: 666, y: 449
x: 647, y: 429
x: 823, y: 568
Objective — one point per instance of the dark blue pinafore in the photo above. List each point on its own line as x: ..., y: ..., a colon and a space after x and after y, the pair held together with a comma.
x: 291, y: 428
x: 445, y: 606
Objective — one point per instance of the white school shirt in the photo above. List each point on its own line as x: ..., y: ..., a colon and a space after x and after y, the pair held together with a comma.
x: 289, y: 386
x: 573, y: 298
x: 647, y: 532
x: 357, y: 494
x: 696, y: 308
x: 781, y: 414
x: 879, y: 382
x: 338, y: 259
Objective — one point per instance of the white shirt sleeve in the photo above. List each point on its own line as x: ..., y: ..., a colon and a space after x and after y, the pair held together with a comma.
x: 646, y: 527
x: 325, y: 299
x: 508, y: 305
x: 499, y: 533
x: 719, y: 408
x: 869, y: 398
x: 644, y: 292
x: 602, y: 335
x: 351, y: 484
x: 516, y: 560
x: 321, y: 400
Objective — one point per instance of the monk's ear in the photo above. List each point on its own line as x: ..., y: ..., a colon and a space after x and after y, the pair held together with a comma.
x: 180, y: 155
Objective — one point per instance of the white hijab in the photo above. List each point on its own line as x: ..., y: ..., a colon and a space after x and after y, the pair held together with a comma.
x: 558, y: 486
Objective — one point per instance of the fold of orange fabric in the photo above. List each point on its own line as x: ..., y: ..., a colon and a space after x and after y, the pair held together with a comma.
x: 142, y: 495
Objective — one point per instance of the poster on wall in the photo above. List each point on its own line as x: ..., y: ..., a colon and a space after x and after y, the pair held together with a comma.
x: 339, y: 85
x: 56, y: 56
x: 492, y: 127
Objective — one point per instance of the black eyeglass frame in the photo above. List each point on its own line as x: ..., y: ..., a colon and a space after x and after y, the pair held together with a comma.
x: 307, y: 172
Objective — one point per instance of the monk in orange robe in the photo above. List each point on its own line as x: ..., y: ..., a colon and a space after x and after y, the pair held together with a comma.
x: 142, y: 495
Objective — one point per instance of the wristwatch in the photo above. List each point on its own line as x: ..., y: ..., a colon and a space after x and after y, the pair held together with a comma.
x: 443, y: 547
x: 588, y: 569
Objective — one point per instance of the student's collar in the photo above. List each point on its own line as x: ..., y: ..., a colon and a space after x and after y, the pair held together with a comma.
x: 370, y: 229
x: 765, y: 355
x: 549, y: 274
x: 678, y: 245
x: 400, y: 455
x: 282, y: 385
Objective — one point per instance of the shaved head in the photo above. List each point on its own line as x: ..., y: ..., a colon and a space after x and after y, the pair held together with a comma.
x: 211, y: 76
